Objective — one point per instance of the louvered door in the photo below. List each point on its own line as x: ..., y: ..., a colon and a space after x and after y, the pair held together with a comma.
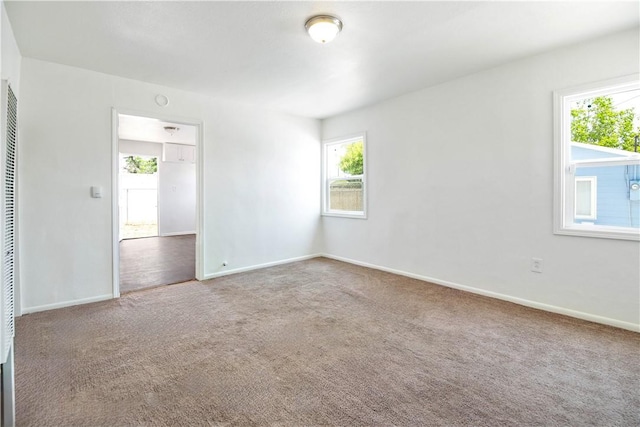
x: 9, y: 127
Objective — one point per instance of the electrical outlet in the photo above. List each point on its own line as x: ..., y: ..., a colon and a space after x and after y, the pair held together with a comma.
x: 536, y: 265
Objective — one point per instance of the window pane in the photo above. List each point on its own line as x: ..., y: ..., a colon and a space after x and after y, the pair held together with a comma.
x: 346, y: 195
x: 609, y: 121
x: 583, y: 198
x: 344, y: 173
x: 604, y: 129
x: 617, y: 202
x: 345, y: 159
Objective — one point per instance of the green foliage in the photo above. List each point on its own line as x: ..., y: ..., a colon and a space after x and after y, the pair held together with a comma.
x: 596, y: 121
x: 136, y: 164
x: 352, y: 161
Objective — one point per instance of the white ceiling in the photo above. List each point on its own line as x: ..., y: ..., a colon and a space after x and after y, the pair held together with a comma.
x: 152, y: 130
x: 258, y: 52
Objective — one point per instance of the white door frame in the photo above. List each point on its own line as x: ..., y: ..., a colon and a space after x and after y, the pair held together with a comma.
x: 115, y: 213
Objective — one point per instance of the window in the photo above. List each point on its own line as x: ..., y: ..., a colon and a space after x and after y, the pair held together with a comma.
x: 597, y: 159
x: 344, y: 172
x: 585, y: 206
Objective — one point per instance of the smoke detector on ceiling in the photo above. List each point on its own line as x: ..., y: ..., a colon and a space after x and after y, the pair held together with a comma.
x: 162, y: 100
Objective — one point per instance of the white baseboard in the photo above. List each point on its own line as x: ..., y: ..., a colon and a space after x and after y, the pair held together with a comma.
x: 45, y: 307
x: 527, y: 303
x: 259, y: 266
x: 533, y: 304
x: 27, y: 310
x: 177, y: 233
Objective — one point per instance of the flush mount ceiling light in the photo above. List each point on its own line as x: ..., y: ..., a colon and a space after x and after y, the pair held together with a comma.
x: 323, y: 28
x: 171, y: 129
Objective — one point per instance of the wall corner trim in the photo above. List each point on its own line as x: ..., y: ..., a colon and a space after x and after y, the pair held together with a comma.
x: 520, y: 301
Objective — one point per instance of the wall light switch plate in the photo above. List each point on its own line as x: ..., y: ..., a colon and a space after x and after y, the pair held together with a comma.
x: 96, y: 192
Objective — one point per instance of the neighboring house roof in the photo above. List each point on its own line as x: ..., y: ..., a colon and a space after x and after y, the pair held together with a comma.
x: 606, y: 150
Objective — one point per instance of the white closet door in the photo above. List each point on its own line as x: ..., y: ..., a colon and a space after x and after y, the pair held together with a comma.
x: 9, y: 126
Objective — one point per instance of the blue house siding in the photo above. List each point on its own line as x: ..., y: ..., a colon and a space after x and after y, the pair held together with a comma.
x: 614, y: 207
x: 583, y: 152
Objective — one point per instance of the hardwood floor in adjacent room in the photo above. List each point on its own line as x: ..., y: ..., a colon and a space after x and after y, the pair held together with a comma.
x: 154, y: 261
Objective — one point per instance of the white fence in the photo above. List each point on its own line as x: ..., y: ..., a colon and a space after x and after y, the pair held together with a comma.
x: 138, y: 198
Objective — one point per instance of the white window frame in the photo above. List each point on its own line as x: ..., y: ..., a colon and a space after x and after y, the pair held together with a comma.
x: 593, y: 209
x: 326, y: 180
x: 564, y: 169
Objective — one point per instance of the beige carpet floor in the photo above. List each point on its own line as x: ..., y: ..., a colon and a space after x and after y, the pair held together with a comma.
x: 320, y: 342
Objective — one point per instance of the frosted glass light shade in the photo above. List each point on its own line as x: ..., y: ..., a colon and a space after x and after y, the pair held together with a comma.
x: 323, y: 28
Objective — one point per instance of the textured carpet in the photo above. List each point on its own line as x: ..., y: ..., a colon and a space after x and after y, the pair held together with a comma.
x: 320, y: 342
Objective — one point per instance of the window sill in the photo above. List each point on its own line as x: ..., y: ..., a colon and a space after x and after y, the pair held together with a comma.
x: 619, y: 233
x: 346, y: 214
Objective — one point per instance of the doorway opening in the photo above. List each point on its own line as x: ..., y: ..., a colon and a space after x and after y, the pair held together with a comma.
x: 156, y: 229
x: 138, y: 196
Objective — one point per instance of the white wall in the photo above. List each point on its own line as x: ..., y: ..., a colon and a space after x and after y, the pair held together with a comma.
x: 176, y: 198
x: 140, y: 148
x: 260, y: 180
x: 461, y: 187
x: 10, y: 54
